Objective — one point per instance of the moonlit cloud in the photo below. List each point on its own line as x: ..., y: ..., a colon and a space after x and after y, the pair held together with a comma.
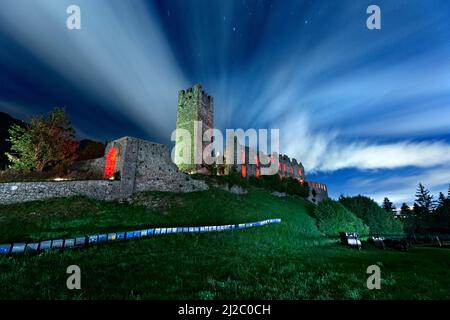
x: 120, y: 55
x: 328, y: 151
x: 401, y: 188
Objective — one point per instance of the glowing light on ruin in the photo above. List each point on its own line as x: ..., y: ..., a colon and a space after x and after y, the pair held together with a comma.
x: 258, y: 170
x: 243, y: 169
x: 110, y: 166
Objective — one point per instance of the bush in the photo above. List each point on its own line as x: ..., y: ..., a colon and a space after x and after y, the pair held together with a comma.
x: 378, y: 220
x: 287, y: 185
x: 332, y: 218
x: 272, y: 182
x: 89, y: 149
x: 294, y: 187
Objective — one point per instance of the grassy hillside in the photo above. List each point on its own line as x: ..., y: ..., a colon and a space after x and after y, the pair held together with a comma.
x: 68, y: 217
x: 291, y: 260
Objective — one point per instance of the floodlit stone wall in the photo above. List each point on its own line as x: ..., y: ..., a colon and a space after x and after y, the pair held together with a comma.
x: 317, y: 192
x: 93, y: 167
x: 155, y: 170
x: 287, y: 167
x: 146, y: 166
x: 14, y: 192
x: 140, y: 166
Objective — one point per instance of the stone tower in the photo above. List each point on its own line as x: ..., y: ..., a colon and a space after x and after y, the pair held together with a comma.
x: 194, y: 104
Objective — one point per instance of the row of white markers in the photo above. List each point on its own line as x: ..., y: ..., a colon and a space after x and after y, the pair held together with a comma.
x: 85, y: 241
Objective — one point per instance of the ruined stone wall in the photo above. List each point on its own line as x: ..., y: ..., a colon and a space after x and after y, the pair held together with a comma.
x: 14, y: 192
x: 194, y: 104
x: 186, y: 114
x: 290, y: 168
x: 320, y: 192
x: 146, y: 166
x: 140, y: 166
x: 287, y: 168
x: 155, y: 170
x: 284, y: 165
x: 93, y: 167
x: 126, y: 163
x: 205, y: 113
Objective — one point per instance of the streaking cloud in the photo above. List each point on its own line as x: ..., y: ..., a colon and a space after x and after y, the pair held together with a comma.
x: 120, y: 55
x: 347, y: 100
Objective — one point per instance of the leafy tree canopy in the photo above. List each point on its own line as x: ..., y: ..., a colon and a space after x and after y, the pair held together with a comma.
x: 44, y: 143
x: 388, y: 206
x: 378, y: 220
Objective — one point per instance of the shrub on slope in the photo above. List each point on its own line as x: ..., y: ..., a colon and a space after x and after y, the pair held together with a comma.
x: 332, y: 218
x: 378, y: 220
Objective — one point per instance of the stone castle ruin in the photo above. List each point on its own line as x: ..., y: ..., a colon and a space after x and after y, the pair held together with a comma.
x: 129, y: 165
x: 145, y: 166
x: 132, y: 165
x: 195, y: 105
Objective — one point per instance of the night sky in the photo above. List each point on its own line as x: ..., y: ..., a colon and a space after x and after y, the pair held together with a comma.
x: 366, y: 111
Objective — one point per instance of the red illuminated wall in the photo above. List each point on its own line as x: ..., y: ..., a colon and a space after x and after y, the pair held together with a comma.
x: 243, y: 169
x: 258, y: 170
x: 111, y: 160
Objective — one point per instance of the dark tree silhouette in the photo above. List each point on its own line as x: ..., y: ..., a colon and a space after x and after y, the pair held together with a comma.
x: 388, y: 206
x: 424, y: 201
x: 405, y: 210
x: 442, y: 200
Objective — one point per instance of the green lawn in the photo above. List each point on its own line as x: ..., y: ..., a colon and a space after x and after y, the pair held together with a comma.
x: 291, y: 260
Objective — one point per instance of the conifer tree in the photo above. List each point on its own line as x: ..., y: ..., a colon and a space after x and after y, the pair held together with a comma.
x: 405, y: 210
x: 388, y: 206
x: 442, y: 200
x: 424, y: 200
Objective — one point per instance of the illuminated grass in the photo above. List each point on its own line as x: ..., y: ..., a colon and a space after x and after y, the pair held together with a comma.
x: 291, y: 260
